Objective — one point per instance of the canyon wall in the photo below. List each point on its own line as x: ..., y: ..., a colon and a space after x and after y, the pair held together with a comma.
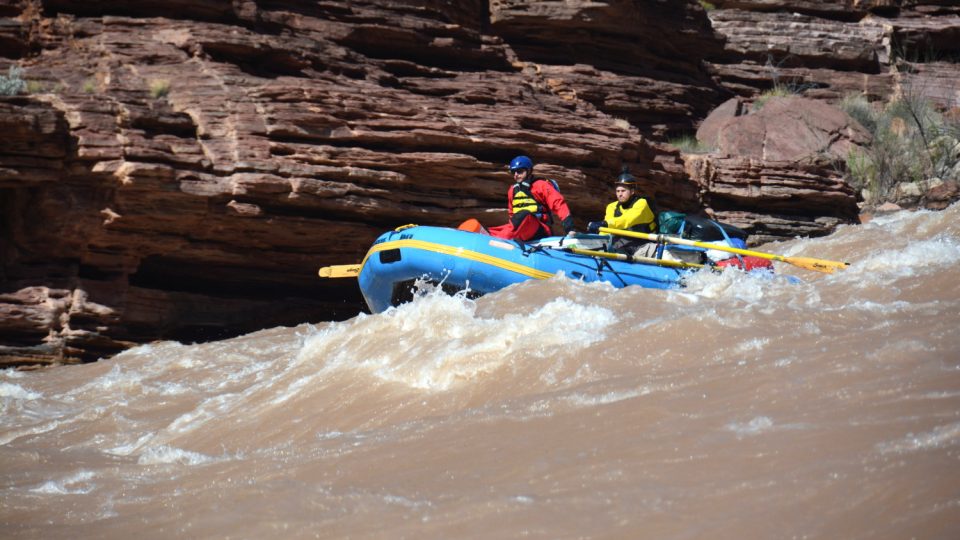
x: 179, y: 170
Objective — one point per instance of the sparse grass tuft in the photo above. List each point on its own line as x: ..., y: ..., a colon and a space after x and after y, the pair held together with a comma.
x: 861, y: 110
x: 35, y: 87
x: 778, y: 90
x: 707, y: 5
x: 689, y: 144
x: 159, y: 88
x: 89, y: 87
x: 782, y: 87
x: 621, y: 123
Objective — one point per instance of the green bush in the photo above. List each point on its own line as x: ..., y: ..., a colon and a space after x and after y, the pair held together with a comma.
x: 912, y: 143
x: 12, y: 84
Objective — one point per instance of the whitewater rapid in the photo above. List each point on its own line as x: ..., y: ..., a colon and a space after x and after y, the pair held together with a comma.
x: 737, y: 407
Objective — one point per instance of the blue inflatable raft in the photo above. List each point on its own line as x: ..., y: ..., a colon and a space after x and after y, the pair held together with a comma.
x: 481, y: 264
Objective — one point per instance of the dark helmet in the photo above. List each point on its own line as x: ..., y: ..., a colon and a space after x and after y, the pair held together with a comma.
x: 521, y: 162
x: 626, y: 179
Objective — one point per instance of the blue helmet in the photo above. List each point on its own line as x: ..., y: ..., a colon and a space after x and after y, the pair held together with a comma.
x: 521, y: 162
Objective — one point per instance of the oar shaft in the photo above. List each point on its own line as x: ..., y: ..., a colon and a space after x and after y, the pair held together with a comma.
x: 603, y: 254
x: 660, y: 238
x: 818, y: 265
x: 628, y: 258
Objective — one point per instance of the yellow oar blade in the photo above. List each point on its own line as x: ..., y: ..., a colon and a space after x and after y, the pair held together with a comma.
x: 340, y: 271
x: 817, y: 265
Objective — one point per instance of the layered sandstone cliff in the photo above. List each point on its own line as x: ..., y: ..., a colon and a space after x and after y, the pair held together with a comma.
x: 181, y: 169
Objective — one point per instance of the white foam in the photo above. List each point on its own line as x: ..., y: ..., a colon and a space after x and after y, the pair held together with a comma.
x: 752, y: 345
x: 874, y: 307
x: 755, y: 426
x: 36, y: 429
x: 167, y: 454
x: 186, y: 362
x: 587, y: 400
x: 551, y: 376
x: 75, y: 484
x: 404, y: 501
x: 292, y: 390
x: 171, y: 389
x: 258, y: 371
x: 209, y: 409
x: 117, y: 382
x: 784, y: 362
x: 947, y: 435
x: 127, y: 449
x: 918, y: 257
x: 146, y: 349
x: 452, y: 343
x: 11, y: 373
x: 733, y: 283
x: 14, y: 391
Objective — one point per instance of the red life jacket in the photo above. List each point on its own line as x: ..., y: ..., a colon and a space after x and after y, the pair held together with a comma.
x: 521, y: 198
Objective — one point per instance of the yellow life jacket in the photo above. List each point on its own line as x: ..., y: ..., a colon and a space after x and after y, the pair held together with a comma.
x: 644, y: 221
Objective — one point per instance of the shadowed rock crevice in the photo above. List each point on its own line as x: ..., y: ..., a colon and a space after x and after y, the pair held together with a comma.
x: 259, y: 61
x: 194, y: 10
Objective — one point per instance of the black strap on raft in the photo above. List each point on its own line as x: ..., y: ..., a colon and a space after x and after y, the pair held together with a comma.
x: 706, y: 230
x: 652, y: 203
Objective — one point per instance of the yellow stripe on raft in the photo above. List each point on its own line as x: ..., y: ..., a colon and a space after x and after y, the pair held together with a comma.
x: 459, y: 252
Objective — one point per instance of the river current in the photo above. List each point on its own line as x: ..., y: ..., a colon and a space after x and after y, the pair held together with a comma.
x: 738, y: 407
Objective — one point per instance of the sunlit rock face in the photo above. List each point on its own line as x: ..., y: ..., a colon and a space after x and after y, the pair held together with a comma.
x: 180, y: 169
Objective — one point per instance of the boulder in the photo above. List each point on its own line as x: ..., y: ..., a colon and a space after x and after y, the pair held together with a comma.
x: 788, y: 129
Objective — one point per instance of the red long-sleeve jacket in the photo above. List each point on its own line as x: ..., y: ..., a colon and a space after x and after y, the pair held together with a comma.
x: 547, y: 200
